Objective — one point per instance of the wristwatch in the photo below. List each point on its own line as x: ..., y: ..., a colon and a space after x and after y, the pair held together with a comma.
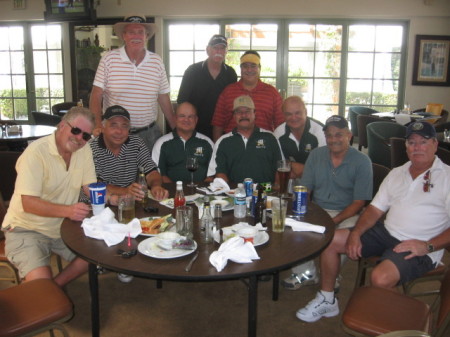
x: 430, y: 247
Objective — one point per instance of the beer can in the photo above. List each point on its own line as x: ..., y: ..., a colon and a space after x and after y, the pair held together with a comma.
x: 300, y: 199
x: 248, y: 185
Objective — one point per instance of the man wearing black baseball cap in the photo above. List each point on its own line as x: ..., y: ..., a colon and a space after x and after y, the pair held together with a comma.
x: 415, y: 199
x: 204, y: 81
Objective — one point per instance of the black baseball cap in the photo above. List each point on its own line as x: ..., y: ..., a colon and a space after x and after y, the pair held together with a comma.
x: 218, y: 39
x: 337, y: 121
x: 424, y: 129
x: 116, y: 110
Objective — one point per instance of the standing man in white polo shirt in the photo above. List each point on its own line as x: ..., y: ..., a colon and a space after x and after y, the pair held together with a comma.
x: 135, y: 79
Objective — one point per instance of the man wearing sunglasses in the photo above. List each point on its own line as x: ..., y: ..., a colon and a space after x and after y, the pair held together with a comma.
x: 410, y: 242
x: 50, y: 173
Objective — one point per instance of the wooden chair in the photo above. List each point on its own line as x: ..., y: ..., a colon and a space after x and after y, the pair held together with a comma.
x: 373, y: 311
x: 34, y: 307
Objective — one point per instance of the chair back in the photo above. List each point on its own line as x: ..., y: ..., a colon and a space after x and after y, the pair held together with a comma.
x: 56, y: 108
x: 2, y: 211
x: 42, y: 118
x: 378, y: 134
x: 353, y: 112
x: 398, y: 151
x: 443, y: 154
x: 443, y: 119
x: 379, y: 173
x: 362, y: 121
x: 8, y: 172
x: 443, y: 318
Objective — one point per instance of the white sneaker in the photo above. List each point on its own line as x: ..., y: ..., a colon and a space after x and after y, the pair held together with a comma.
x: 318, y: 308
x: 124, y: 278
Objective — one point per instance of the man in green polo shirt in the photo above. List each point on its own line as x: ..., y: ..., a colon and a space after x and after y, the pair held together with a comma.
x: 247, y: 151
x: 171, y: 151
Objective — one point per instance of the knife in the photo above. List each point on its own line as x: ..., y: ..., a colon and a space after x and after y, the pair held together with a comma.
x: 188, y: 267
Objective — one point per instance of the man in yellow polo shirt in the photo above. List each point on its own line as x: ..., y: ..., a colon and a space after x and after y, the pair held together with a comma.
x: 49, y: 175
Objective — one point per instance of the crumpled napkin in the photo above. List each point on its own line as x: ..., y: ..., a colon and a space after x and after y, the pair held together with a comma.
x: 105, y: 227
x: 402, y: 119
x: 299, y: 226
x: 233, y: 249
x: 218, y: 186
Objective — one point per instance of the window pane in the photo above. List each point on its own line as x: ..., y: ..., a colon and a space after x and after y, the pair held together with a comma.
x: 4, y: 38
x: 233, y: 60
x: 17, y: 63
x: 360, y: 65
x: 16, y: 38
x: 361, y: 38
x: 19, y: 86
x: 43, y: 105
x: 177, y: 43
x: 389, y: 38
x: 385, y: 92
x: 301, y: 37
x: 301, y: 64
x: 359, y: 92
x: 326, y: 91
x: 6, y: 108
x: 264, y: 37
x: 21, y: 109
x: 328, y: 65
x: 200, y: 56
x: 53, y: 37
x: 202, y: 35
x: 5, y: 86
x: 55, y: 61
x: 239, y: 36
x: 300, y: 87
x: 179, y: 61
x: 175, y: 83
x: 5, y: 66
x: 322, y: 112
x: 41, y: 84
x: 56, y: 86
x: 387, y: 66
x: 268, y: 63
x: 40, y: 62
x: 38, y: 36
x: 328, y: 37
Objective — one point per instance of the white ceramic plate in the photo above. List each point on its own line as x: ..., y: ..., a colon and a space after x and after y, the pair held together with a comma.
x: 171, y: 229
x: 226, y: 204
x: 150, y: 248
x: 261, y: 238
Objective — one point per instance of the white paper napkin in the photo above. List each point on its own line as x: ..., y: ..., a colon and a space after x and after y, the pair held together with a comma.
x: 402, y: 119
x: 299, y: 226
x: 189, y: 198
x: 233, y: 249
x: 105, y: 227
x: 218, y: 186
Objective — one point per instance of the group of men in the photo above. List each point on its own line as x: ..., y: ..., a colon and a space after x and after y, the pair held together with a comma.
x: 252, y: 129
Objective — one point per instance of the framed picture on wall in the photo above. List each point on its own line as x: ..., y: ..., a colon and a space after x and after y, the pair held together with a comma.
x: 431, y: 60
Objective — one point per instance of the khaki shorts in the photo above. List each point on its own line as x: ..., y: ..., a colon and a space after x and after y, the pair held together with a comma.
x: 29, y: 250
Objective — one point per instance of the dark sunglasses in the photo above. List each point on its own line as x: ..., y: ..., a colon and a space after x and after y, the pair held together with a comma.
x: 76, y: 131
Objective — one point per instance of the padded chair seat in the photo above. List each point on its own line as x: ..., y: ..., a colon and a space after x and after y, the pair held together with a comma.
x: 406, y: 313
x: 31, y: 306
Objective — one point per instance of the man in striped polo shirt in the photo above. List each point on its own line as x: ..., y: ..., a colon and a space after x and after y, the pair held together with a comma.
x: 247, y: 151
x: 118, y: 155
x: 266, y: 98
x: 135, y: 79
x: 172, y: 150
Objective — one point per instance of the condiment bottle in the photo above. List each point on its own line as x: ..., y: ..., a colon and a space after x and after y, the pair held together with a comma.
x: 260, y: 207
x: 206, y: 224
x: 179, y: 199
x: 142, y: 181
x: 218, y: 216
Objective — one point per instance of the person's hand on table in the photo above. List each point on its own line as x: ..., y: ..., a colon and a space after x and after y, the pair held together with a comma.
x: 78, y: 211
x: 135, y: 190
x: 159, y: 193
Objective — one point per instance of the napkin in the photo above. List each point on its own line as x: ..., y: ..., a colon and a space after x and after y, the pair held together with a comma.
x: 299, y: 226
x: 105, y: 227
x: 402, y: 119
x: 189, y: 198
x: 218, y: 186
x: 233, y: 249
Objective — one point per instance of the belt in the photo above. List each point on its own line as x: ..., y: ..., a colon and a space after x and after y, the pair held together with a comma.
x: 136, y: 130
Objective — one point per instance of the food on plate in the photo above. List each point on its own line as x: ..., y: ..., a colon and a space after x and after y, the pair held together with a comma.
x: 156, y: 225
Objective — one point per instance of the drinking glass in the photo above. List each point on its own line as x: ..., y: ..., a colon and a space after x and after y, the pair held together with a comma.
x: 126, y: 208
x: 283, y: 172
x: 185, y: 221
x: 192, y: 166
x: 279, y: 209
x: 447, y: 136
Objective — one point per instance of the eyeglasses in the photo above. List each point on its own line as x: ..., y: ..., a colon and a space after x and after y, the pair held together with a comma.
x: 427, y: 185
x: 76, y: 131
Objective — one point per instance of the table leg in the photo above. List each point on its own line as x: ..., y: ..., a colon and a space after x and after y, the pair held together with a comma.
x: 93, y: 287
x: 252, y: 305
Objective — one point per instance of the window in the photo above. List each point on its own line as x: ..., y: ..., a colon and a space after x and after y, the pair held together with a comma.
x: 331, y: 65
x: 31, y: 74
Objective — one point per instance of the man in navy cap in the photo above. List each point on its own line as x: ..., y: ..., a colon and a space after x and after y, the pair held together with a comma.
x: 410, y: 242
x: 204, y: 81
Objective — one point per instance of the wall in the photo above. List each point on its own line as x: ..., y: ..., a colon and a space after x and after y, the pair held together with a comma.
x: 424, y: 19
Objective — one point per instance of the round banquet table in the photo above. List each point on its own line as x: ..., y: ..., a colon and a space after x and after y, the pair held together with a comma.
x: 18, y: 141
x: 282, y: 251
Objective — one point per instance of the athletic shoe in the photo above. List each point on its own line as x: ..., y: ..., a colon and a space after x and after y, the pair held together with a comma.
x: 124, y: 278
x: 296, y: 281
x: 318, y: 308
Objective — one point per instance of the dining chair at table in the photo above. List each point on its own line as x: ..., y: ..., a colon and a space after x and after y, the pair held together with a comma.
x: 56, y: 108
x: 372, y: 311
x: 435, y: 109
x: 8, y: 172
x: 398, y: 151
x: 33, y: 307
x: 353, y: 113
x: 378, y: 134
x: 362, y: 121
x: 42, y: 118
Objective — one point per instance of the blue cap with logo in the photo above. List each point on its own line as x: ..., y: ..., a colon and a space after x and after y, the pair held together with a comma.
x: 424, y: 129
